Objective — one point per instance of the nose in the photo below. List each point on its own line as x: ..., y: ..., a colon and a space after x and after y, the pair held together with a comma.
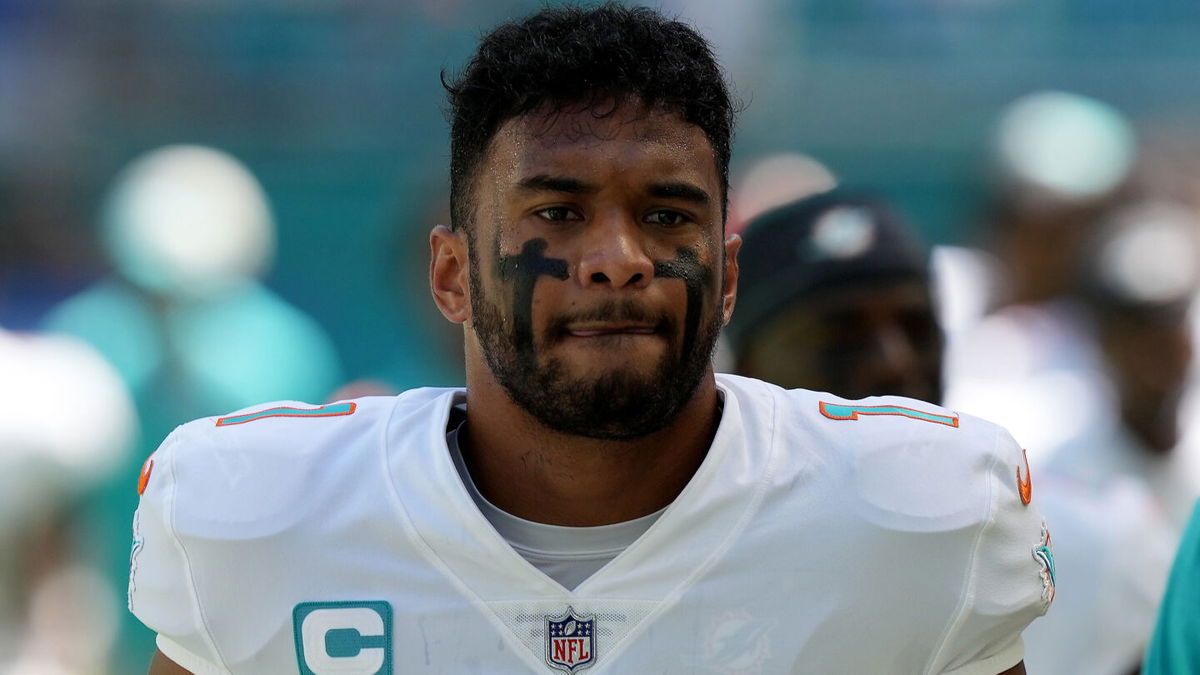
x: 615, y: 254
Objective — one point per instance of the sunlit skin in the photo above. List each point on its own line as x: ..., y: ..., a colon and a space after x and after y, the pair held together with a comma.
x: 855, y: 341
x: 620, y: 208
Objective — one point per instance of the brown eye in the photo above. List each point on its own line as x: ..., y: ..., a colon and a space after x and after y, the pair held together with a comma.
x: 666, y: 217
x: 558, y: 214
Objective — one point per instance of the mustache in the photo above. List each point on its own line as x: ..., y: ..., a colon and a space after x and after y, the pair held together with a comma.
x: 611, y: 311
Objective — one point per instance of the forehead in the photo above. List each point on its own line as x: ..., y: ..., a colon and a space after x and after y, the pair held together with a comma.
x: 570, y: 124
x: 602, y: 141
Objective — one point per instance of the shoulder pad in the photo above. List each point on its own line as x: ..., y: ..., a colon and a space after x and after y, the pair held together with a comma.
x: 256, y: 471
x: 913, y: 466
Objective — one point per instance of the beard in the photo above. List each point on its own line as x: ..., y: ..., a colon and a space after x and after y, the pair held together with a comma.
x: 617, y: 405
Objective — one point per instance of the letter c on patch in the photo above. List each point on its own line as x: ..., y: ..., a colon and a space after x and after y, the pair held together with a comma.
x: 343, y: 638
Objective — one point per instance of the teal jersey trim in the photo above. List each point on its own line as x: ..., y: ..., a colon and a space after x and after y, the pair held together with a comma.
x: 331, y: 410
x: 837, y: 411
x: 1175, y: 647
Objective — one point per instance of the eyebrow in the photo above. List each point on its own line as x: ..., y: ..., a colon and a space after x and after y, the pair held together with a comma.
x: 678, y: 190
x: 546, y: 183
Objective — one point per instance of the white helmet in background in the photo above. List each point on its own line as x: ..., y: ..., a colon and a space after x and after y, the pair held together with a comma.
x: 188, y: 221
x: 1068, y: 146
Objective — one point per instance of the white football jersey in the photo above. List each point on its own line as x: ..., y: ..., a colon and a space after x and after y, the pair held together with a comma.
x: 819, y: 535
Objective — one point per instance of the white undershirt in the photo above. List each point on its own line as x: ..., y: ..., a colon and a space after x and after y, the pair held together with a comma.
x: 569, y: 555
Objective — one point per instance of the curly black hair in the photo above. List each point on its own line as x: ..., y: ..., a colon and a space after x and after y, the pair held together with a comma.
x: 570, y: 55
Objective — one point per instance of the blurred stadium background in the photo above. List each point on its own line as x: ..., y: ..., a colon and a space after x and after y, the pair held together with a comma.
x: 335, y: 109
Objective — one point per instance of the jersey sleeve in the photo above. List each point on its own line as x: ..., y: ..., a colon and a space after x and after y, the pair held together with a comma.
x: 1011, y: 577
x: 161, y: 593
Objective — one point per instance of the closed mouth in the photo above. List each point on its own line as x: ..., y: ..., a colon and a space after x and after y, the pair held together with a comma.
x: 600, y: 330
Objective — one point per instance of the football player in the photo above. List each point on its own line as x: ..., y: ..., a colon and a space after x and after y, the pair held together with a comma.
x: 595, y: 498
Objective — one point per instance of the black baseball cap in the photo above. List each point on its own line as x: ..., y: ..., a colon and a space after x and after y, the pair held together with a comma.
x: 834, y: 239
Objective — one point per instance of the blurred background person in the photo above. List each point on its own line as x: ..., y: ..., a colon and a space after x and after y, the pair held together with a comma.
x: 1019, y: 339
x: 1140, y: 282
x: 835, y: 295
x: 189, y: 231
x: 1116, y: 493
x: 67, y: 424
x: 185, y: 322
x: 1078, y: 339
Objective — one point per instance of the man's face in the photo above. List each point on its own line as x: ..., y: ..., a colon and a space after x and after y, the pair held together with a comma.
x: 855, y: 342
x: 599, y: 281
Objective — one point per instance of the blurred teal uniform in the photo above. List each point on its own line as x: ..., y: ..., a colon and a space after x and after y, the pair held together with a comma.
x: 182, y: 360
x: 1175, y: 647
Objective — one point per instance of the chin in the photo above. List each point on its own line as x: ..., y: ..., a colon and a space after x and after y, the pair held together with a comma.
x: 623, y: 403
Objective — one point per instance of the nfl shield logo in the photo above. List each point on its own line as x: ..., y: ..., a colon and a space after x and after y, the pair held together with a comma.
x: 570, y: 641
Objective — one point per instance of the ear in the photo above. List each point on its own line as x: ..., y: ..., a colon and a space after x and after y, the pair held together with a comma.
x: 733, y: 244
x: 449, y: 277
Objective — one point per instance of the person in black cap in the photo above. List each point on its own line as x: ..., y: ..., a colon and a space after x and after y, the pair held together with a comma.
x: 835, y: 295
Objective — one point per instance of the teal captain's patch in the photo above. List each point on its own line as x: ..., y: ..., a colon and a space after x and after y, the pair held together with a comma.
x: 346, y: 638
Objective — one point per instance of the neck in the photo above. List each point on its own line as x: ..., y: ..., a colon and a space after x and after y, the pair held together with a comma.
x: 539, y: 474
